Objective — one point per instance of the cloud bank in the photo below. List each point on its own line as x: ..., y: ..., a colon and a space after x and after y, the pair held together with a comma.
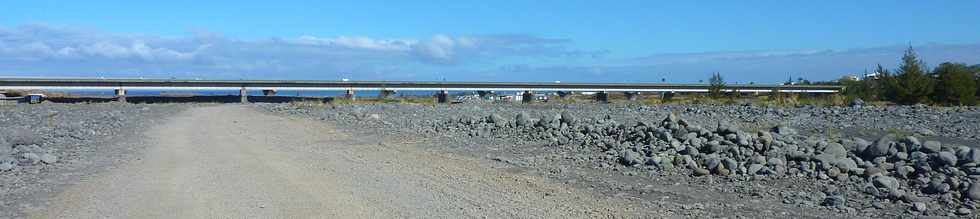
x: 58, y: 51
x: 64, y: 51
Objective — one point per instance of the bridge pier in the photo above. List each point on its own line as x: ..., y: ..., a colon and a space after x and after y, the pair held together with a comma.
x: 483, y: 93
x: 527, y: 97
x: 563, y: 94
x: 442, y: 96
x: 120, y: 95
x: 350, y: 95
x: 269, y: 92
x: 632, y: 96
x: 602, y: 97
x: 244, y: 94
x: 385, y: 94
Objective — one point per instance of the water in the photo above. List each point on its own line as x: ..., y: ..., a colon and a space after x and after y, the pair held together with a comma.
x: 290, y: 93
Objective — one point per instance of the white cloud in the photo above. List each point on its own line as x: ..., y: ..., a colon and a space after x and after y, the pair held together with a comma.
x: 46, y: 49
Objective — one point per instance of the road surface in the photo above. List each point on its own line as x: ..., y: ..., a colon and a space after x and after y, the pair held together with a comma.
x: 231, y: 161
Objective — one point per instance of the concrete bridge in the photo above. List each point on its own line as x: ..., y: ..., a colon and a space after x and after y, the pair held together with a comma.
x: 269, y: 87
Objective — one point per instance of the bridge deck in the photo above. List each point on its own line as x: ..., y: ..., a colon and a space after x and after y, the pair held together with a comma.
x: 166, y: 84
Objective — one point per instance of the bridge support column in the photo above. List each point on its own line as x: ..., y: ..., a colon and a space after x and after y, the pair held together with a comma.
x: 632, y: 96
x: 442, y: 96
x: 243, y: 93
x: 385, y: 94
x: 602, y: 97
x: 269, y: 92
x: 350, y: 95
x: 121, y: 95
x: 483, y: 94
x: 563, y: 94
x: 527, y: 97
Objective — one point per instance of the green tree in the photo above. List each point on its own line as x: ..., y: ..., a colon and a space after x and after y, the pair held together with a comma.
x: 912, y: 85
x: 957, y: 84
x: 717, y: 85
x: 976, y: 75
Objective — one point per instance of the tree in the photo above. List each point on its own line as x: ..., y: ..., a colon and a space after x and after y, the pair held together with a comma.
x: 911, y: 84
x: 976, y: 74
x: 717, y: 85
x: 957, y: 84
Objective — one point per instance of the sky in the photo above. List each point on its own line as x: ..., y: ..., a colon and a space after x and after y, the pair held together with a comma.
x: 583, y: 41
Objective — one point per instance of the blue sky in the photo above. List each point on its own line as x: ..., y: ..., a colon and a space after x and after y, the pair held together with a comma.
x: 612, y: 41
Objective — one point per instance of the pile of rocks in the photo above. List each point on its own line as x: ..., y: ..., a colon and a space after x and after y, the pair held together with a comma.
x: 34, y: 136
x: 891, y: 167
x: 19, y: 147
x: 840, y: 157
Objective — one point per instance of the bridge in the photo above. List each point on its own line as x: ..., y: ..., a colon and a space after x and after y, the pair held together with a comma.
x: 120, y: 86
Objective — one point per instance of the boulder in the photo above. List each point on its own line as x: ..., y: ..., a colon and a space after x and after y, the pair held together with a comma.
x: 630, y: 158
x: 880, y: 147
x: 522, y: 119
x: 945, y: 158
x: 973, y: 192
x: 886, y: 182
x: 972, y: 156
x: 835, y: 149
x: 931, y: 147
x: 568, y: 118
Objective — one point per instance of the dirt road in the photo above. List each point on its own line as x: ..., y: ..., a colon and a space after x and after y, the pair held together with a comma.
x: 231, y: 161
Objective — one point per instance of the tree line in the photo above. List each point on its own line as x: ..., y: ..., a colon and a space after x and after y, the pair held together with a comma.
x: 950, y: 84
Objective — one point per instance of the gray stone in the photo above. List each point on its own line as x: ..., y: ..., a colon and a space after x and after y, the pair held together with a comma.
x: 835, y: 201
x: 904, y: 171
x: 880, y: 147
x: 835, y: 149
x: 963, y: 211
x: 912, y: 141
x: 730, y: 164
x: 857, y: 102
x: 937, y: 186
x: 766, y: 138
x: 31, y: 157
x: 568, y: 118
x: 974, y: 191
x: 860, y: 145
x: 973, y: 156
x: 946, y: 158
x: 754, y: 168
x: 886, y: 182
x: 49, y: 159
x: 785, y: 130
x: 931, y: 146
x: 701, y: 172
x: 522, y: 119
x: 712, y: 163
x: 495, y: 118
x: 6, y: 166
x: 919, y: 206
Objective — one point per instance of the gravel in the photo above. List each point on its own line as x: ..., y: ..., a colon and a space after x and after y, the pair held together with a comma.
x: 45, y: 146
x: 800, y: 156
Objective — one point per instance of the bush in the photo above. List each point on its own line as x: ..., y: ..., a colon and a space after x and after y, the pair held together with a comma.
x: 717, y: 85
x: 957, y: 84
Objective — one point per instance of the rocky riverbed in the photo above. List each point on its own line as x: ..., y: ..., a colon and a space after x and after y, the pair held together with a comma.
x: 45, y: 146
x: 707, y: 160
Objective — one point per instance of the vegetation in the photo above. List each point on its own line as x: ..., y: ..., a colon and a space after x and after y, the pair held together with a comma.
x: 912, y: 83
x: 717, y: 85
x: 957, y: 84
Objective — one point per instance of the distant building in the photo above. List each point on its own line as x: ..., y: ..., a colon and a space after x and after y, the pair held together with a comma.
x: 873, y: 76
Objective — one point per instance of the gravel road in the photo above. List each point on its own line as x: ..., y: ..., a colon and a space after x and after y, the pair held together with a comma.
x: 231, y: 161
